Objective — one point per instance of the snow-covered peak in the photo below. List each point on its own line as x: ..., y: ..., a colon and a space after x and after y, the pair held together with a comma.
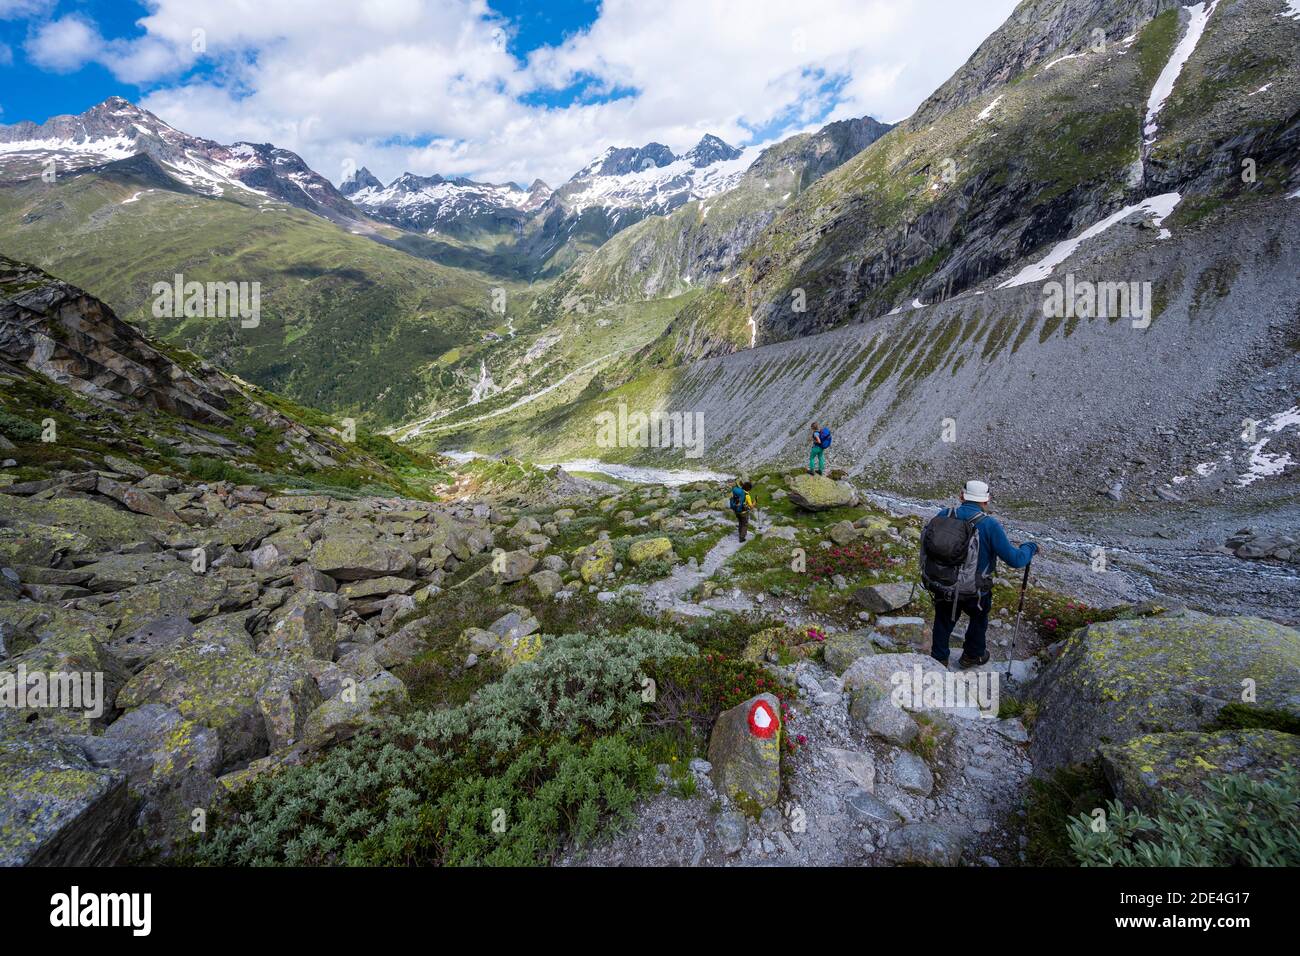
x: 653, y: 181
x: 432, y: 203
x: 117, y: 129
x: 709, y: 150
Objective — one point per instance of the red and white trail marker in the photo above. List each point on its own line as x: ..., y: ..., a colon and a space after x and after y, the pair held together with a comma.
x: 763, y: 722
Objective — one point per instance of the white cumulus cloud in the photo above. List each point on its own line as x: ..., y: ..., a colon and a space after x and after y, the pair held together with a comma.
x: 428, y: 85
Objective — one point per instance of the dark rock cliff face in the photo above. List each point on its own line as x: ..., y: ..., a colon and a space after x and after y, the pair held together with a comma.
x: 72, y: 338
x: 1040, y: 136
x: 1033, y: 34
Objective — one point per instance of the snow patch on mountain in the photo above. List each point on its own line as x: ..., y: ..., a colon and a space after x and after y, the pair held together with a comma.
x: 988, y: 110
x: 656, y: 188
x: 1157, y: 207
x: 1164, y: 86
x: 117, y: 130
x: 1264, y: 464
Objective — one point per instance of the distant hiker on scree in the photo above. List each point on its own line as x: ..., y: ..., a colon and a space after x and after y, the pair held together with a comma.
x: 742, y: 503
x: 821, y: 440
x: 960, y: 548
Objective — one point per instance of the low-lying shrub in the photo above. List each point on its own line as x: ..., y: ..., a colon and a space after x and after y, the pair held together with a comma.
x: 546, y: 746
x: 16, y: 428
x: 1238, y: 821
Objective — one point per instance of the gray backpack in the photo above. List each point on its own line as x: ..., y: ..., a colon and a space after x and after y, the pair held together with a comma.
x: 950, y: 557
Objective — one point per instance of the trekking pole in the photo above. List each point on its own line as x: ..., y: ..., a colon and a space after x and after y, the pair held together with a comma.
x: 1020, y: 608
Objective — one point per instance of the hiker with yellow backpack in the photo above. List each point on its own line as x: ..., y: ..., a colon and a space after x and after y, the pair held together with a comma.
x: 742, y: 503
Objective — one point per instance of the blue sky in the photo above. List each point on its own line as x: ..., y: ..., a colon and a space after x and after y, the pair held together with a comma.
x: 494, y: 89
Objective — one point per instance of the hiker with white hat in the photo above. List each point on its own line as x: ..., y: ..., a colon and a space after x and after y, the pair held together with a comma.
x: 960, y: 548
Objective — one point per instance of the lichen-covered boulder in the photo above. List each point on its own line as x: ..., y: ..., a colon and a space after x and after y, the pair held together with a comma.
x: 517, y: 622
x: 817, y: 493
x: 194, y: 596
x: 510, y: 566
x: 649, y: 550
x: 877, y: 677
x: 305, y: 626
x: 38, y: 532
x: 136, y: 499
x: 170, y: 764
x: 377, y: 588
x: 595, y: 561
x: 81, y: 678
x: 843, y: 648
x: 923, y: 844
x: 353, y: 556
x: 56, y: 807
x: 842, y: 532
x: 224, y: 687
x: 881, y: 717
x: 774, y: 642
x: 228, y: 630
x: 343, y: 715
x: 1117, y: 680
x: 546, y: 582
x: 524, y: 527
x: 884, y: 598
x: 408, y: 643
x: 235, y: 532
x: 745, y: 751
x: 26, y: 623
x: 136, y: 647
x: 1144, y: 769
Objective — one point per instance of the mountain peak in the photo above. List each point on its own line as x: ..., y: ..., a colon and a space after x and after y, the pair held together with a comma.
x: 621, y: 160
x: 709, y: 150
x: 358, y: 180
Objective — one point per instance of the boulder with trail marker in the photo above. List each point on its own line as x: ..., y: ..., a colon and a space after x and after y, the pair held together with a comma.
x: 745, y: 751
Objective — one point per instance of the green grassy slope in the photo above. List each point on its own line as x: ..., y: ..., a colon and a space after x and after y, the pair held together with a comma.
x: 347, y: 323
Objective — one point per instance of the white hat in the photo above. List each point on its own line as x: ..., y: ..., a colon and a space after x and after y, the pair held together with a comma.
x: 975, y: 491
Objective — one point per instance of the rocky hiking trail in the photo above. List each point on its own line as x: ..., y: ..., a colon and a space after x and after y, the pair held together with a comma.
x: 669, y: 594
x: 852, y: 798
x: 870, y: 784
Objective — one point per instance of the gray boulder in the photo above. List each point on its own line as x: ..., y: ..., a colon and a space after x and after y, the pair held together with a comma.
x: 911, y: 773
x: 1118, y: 680
x: 56, y: 807
x: 923, y: 844
x: 884, y: 598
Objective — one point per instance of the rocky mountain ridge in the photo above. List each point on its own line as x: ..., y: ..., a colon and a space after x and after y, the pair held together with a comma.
x: 117, y: 129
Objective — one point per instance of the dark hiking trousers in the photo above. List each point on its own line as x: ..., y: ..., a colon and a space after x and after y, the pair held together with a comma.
x: 742, y: 520
x: 977, y: 625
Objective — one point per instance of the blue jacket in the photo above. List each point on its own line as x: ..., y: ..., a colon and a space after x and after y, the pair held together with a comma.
x: 823, y: 438
x: 994, y: 542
